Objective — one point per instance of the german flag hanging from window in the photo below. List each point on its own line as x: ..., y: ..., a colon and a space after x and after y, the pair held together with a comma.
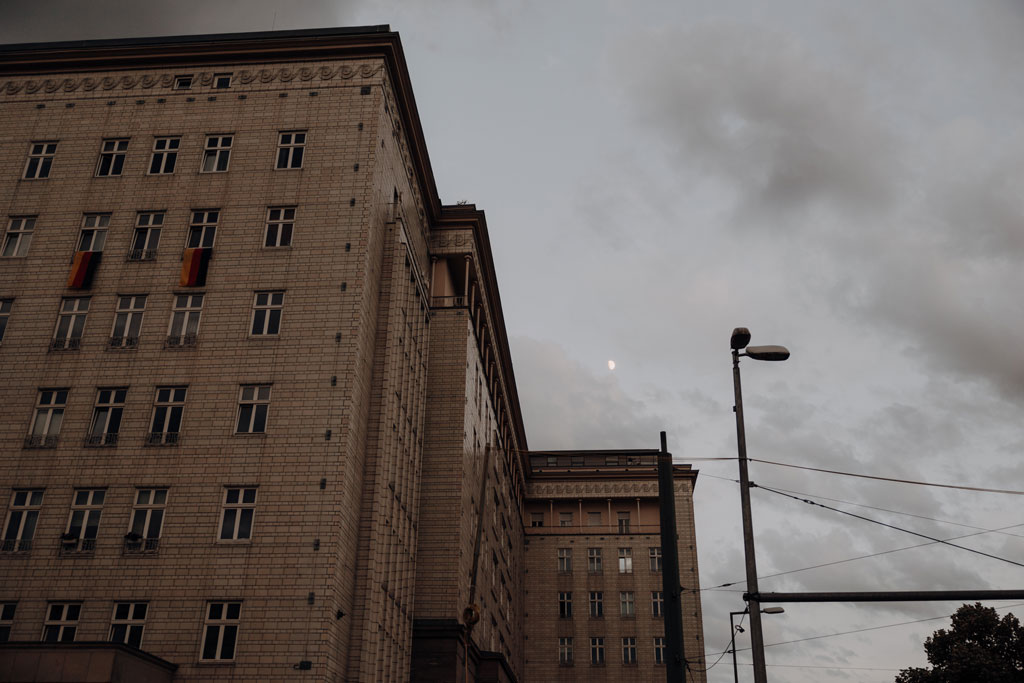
x: 83, y: 268
x: 194, y: 265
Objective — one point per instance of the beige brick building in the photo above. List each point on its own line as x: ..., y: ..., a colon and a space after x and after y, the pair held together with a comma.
x: 260, y: 416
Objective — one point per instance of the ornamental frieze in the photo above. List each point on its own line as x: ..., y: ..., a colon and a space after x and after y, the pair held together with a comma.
x: 593, y: 490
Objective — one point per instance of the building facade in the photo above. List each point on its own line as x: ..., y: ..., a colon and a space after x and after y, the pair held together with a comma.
x: 595, y: 597
x: 261, y: 417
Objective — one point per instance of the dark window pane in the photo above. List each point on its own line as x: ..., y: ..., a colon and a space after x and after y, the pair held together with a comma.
x: 227, y: 649
x: 210, y: 642
x: 245, y: 526
x: 260, y: 419
x: 227, y: 529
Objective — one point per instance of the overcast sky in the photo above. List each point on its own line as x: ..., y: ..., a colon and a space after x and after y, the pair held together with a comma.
x: 844, y: 178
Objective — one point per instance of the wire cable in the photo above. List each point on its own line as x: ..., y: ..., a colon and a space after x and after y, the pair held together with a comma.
x: 890, y: 526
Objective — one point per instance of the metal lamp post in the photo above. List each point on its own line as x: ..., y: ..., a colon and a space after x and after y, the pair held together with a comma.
x: 735, y: 629
x: 739, y: 340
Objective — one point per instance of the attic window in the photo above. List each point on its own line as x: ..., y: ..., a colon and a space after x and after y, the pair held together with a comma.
x: 183, y: 82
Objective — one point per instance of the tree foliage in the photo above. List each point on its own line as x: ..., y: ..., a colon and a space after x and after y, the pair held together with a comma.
x: 979, y: 646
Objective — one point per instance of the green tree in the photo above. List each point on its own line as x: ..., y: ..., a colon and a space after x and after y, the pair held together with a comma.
x: 979, y: 647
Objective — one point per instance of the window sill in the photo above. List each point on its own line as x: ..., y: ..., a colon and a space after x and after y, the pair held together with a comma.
x: 215, y: 662
x: 234, y: 541
x: 264, y: 337
x: 259, y: 434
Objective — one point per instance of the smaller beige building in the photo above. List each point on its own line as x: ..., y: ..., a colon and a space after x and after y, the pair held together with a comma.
x: 593, y: 558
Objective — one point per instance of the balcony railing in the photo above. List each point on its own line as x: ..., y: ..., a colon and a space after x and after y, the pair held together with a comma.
x: 16, y: 545
x: 142, y: 255
x: 177, y: 342
x: 134, y: 543
x: 124, y: 342
x: 162, y: 439
x: 70, y: 545
x: 65, y: 344
x: 448, y: 301
x: 41, y: 441
x: 101, y: 440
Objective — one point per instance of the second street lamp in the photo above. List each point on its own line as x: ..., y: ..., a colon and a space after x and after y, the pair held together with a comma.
x: 739, y: 629
x: 738, y: 342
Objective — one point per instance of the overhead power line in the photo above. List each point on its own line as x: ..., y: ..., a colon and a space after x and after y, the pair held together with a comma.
x: 808, y: 501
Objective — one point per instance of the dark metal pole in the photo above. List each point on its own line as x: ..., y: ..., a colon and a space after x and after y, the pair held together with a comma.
x: 751, y: 596
x: 892, y: 596
x: 732, y: 644
x: 675, y: 659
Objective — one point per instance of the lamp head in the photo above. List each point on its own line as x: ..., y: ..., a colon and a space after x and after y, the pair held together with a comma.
x: 740, y: 629
x: 773, y: 610
x: 740, y: 338
x: 767, y: 352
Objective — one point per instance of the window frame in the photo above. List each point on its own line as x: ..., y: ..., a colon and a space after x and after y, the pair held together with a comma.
x: 111, y: 161
x: 93, y: 233
x: 148, y: 511
x: 625, y: 560
x: 8, y: 609
x: 183, y: 82
x: 564, y: 556
x: 6, y: 306
x: 107, y: 416
x: 202, y: 225
x: 288, y: 150
x: 627, y: 604
x: 20, y: 230
x: 629, y: 657
x: 130, y: 622
x: 77, y: 314
x: 267, y: 314
x: 595, y: 561
x: 47, y: 437
x: 597, y: 657
x: 596, y: 602
x: 162, y: 157
x: 182, y: 316
x: 63, y: 623
x: 27, y: 520
x: 146, y: 237
x: 565, y: 604
x: 128, y: 317
x: 40, y: 163
x: 215, y: 150
x: 657, y: 603
x: 623, y: 521
x: 168, y: 411
x: 223, y: 623
x: 239, y: 507
x: 656, y: 559
x: 219, y: 82
x: 659, y: 649
x: 565, y: 655
x: 255, y: 401
x: 279, y: 228
x: 87, y: 523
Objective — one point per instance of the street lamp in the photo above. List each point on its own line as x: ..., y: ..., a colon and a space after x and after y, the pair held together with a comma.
x: 739, y: 629
x: 738, y: 342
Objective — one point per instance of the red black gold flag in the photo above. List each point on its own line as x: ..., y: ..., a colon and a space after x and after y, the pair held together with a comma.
x: 83, y: 268
x: 194, y: 265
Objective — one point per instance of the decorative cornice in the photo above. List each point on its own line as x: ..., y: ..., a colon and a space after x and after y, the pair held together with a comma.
x: 205, y: 78
x: 593, y: 490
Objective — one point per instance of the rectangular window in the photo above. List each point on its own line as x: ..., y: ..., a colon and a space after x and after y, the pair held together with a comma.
x: 6, y: 620
x: 203, y: 229
x: 147, y: 236
x: 565, y: 651
x: 623, y: 522
x: 183, y: 82
x: 106, y: 417
x: 61, y: 622
x: 222, y: 81
x: 220, y: 633
x: 18, y: 236
x: 165, y: 155
x: 657, y: 603
x: 627, y: 605
x: 147, y: 521
x: 594, y: 561
x: 184, y: 327
x: 5, y: 313
x: 217, y: 153
x: 94, y: 231
x: 536, y: 519
x: 564, y: 519
x: 564, y: 560
x: 290, y: 147
x: 49, y: 414
x: 629, y: 650
x: 655, y: 559
x: 84, y: 521
x: 127, y: 623
x: 280, y: 222
x: 112, y: 154
x: 625, y: 560
x: 593, y: 519
x: 597, y: 604
x: 659, y: 649
x: 565, y: 605
x: 237, y: 516
x: 168, y: 407
x: 22, y: 515
x: 40, y: 159
x: 70, y: 323
x: 128, y: 322
x: 597, y: 651
x: 266, y: 314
